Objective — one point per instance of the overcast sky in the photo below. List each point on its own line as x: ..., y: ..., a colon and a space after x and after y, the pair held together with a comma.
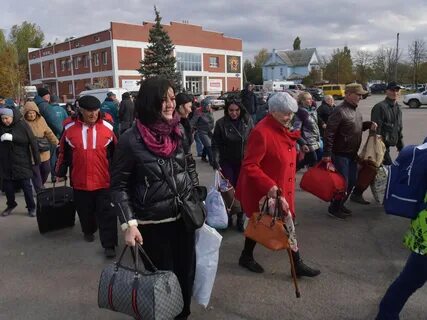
x: 325, y: 25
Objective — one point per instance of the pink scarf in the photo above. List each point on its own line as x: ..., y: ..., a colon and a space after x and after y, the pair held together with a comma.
x: 162, y: 137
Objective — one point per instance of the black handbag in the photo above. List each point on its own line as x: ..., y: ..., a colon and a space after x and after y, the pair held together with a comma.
x: 192, y: 209
x: 43, y: 144
x: 141, y: 294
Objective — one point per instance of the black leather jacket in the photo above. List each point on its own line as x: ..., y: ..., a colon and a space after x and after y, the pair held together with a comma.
x: 138, y: 186
x: 229, y: 141
x: 343, y: 133
x: 187, y: 141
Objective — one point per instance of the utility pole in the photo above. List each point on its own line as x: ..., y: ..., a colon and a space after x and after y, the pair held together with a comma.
x: 397, y: 57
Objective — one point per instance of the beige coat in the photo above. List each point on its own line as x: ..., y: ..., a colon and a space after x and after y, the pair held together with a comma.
x: 40, y: 128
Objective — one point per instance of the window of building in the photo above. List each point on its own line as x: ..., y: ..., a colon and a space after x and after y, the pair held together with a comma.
x: 96, y: 59
x: 214, y: 62
x: 85, y: 61
x: 193, y: 85
x: 69, y: 64
x: 104, y: 57
x: 187, y: 61
x: 281, y: 71
x: 51, y: 68
x: 62, y: 65
x: 70, y: 88
x: 76, y: 62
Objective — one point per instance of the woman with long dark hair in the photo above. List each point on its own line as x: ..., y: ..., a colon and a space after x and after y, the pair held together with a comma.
x: 229, y: 142
x: 146, y: 205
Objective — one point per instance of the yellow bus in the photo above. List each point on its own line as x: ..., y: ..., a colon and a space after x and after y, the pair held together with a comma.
x: 335, y: 90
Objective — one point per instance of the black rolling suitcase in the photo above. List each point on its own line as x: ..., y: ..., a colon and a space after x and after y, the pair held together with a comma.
x: 55, y: 208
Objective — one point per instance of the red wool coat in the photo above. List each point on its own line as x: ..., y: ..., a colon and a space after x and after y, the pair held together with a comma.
x: 269, y: 160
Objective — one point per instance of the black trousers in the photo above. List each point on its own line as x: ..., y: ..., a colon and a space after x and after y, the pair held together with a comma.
x: 93, y: 208
x: 171, y: 247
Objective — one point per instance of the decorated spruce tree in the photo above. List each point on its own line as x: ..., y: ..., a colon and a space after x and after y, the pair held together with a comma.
x: 158, y: 57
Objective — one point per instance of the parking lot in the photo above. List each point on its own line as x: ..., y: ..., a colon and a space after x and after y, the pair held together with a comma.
x: 55, y: 276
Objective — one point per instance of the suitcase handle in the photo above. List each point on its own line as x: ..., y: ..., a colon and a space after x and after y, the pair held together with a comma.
x: 53, y: 186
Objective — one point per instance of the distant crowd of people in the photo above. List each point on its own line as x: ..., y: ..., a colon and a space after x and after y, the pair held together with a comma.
x: 119, y: 158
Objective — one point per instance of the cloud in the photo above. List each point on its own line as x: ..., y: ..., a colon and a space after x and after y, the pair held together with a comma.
x: 325, y: 25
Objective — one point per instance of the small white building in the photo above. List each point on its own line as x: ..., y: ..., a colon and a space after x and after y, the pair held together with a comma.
x: 290, y: 65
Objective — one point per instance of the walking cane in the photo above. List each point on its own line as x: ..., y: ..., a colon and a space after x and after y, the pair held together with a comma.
x: 294, y: 276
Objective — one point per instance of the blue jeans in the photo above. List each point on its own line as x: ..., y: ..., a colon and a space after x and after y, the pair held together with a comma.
x: 199, y: 145
x: 347, y: 167
x: 207, y: 144
x: 412, y: 277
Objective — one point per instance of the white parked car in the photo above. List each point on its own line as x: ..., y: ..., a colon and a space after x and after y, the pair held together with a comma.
x: 215, y: 102
x: 101, y: 94
x: 415, y: 100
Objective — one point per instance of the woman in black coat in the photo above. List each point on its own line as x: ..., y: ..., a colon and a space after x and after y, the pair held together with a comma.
x: 146, y: 154
x: 18, y: 153
x: 184, y: 103
x: 229, y: 142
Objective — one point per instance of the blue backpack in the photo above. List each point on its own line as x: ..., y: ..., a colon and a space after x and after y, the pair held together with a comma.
x: 407, y: 182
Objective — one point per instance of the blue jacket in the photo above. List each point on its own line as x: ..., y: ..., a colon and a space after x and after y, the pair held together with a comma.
x: 58, y: 114
x: 53, y: 114
x: 110, y: 107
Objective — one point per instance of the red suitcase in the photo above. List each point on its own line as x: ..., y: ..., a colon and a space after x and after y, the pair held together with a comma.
x: 324, y: 184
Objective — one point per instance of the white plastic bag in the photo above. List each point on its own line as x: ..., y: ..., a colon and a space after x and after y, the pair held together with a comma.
x: 208, y: 241
x: 216, y: 210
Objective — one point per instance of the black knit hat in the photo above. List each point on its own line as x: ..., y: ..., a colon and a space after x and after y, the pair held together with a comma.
x: 89, y: 103
x: 42, y: 92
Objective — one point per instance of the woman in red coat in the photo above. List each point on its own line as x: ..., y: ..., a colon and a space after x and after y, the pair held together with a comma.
x: 269, y: 164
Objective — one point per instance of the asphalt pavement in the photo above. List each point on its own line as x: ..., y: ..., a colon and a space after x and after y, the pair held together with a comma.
x: 55, y: 276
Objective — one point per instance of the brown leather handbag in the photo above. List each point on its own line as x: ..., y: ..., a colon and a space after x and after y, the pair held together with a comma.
x: 267, y: 229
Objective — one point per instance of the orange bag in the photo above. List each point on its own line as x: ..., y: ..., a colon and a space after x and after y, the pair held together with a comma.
x: 268, y: 230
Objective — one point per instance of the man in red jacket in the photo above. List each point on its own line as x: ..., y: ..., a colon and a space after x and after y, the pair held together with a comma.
x: 86, y: 146
x: 269, y: 165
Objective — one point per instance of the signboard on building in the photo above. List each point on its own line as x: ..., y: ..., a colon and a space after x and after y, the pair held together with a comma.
x: 233, y: 64
x: 130, y: 84
x: 214, y: 85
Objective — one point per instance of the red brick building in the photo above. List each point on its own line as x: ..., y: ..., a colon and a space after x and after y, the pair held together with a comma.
x: 208, y: 61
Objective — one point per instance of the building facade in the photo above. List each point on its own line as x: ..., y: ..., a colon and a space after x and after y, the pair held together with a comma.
x: 291, y: 65
x: 209, y: 62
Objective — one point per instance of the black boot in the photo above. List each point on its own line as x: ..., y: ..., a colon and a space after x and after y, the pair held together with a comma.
x: 301, y: 269
x: 334, y: 210
x: 240, y: 222
x: 357, y: 196
x: 249, y: 263
x: 346, y: 211
x: 247, y: 260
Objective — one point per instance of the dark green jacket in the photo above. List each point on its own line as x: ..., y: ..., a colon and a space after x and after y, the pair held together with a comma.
x: 388, y: 116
